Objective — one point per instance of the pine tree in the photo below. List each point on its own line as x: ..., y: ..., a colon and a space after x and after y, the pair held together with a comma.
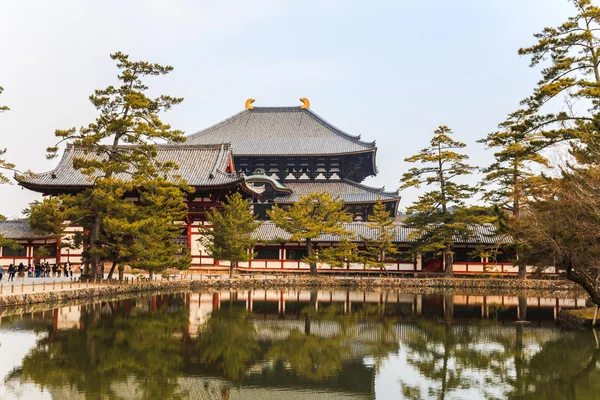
x: 152, y: 227
x: 439, y: 216
x: 3, y: 163
x: 570, y: 54
x: 381, y: 246
x: 510, y: 181
x: 3, y: 108
x: 127, y: 116
x: 314, y: 215
x: 561, y: 229
x: 230, y: 238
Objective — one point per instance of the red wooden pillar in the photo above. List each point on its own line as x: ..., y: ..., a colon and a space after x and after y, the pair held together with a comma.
x: 58, y: 250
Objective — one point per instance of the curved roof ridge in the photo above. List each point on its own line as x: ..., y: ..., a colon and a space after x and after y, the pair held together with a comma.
x: 217, y: 125
x: 337, y: 130
x: 69, y: 150
x: 281, y: 131
x: 218, y: 158
x: 276, y: 108
x: 182, y: 146
x: 372, y: 189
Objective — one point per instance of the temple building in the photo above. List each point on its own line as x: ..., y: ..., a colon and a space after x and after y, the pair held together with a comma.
x: 273, y: 155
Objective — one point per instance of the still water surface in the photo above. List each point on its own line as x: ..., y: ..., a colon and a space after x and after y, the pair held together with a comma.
x: 299, y: 345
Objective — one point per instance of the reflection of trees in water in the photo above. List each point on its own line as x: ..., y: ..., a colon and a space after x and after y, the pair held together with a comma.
x: 319, y: 358
x: 144, y: 347
x: 228, y: 342
x: 120, y: 346
x: 524, y: 364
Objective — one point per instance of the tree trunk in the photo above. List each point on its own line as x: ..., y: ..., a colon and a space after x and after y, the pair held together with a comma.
x: 112, y: 269
x: 94, y: 237
x: 584, y: 280
x: 150, y: 275
x: 232, y: 267
x: 313, y: 306
x: 448, y: 261
x: 519, y: 361
x: 522, y: 308
x: 121, y: 270
x: 522, y: 269
x: 448, y: 307
x: 446, y: 357
x: 311, y: 253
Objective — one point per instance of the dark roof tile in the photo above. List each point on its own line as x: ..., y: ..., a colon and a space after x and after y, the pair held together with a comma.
x: 280, y: 131
x: 199, y: 165
x: 349, y: 191
x: 18, y: 229
x: 481, y: 234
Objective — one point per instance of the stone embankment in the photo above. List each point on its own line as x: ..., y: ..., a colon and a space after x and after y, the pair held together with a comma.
x: 450, y: 286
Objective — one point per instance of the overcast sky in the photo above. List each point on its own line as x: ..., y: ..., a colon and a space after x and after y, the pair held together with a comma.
x: 391, y: 71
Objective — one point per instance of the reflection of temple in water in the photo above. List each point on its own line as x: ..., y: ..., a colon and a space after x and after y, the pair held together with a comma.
x: 270, y: 304
x: 275, y: 315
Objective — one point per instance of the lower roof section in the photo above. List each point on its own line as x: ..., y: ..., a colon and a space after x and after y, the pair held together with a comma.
x: 480, y: 234
x: 18, y: 229
x: 202, y: 166
x: 349, y: 191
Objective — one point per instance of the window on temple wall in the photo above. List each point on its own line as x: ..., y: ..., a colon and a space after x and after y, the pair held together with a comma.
x: 266, y: 254
x: 49, y: 251
x: 9, y: 252
x: 466, y: 255
x: 296, y: 254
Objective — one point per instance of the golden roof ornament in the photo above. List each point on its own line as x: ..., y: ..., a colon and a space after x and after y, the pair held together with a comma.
x: 305, y: 103
x: 248, y: 104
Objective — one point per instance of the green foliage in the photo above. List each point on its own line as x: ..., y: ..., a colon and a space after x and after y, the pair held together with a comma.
x: 128, y: 116
x: 381, y: 247
x: 11, y: 243
x: 114, y: 345
x: 230, y: 237
x: 314, y: 215
x: 562, y: 229
x: 313, y: 357
x: 228, y: 342
x: 144, y: 233
x: 118, y: 231
x: 510, y: 180
x: 3, y: 108
x: 569, y: 54
x: 569, y: 57
x: 3, y: 163
x: 439, y: 217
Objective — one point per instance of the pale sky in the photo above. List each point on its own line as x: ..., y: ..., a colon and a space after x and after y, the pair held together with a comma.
x: 391, y: 71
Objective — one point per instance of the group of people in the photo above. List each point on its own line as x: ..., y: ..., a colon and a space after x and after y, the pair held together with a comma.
x: 39, y: 270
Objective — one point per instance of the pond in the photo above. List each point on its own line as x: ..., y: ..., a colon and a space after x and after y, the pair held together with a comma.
x: 289, y: 344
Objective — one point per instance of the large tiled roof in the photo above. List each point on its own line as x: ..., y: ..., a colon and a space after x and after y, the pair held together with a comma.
x: 199, y: 165
x: 280, y: 131
x: 17, y: 229
x: 349, y: 191
x: 481, y: 234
